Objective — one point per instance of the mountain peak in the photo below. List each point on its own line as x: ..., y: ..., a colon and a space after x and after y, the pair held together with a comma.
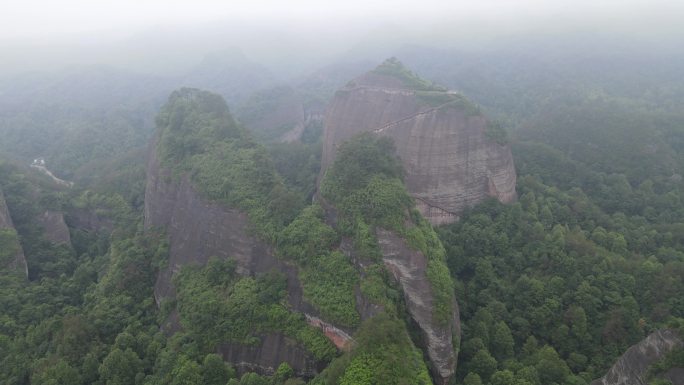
x: 394, y: 68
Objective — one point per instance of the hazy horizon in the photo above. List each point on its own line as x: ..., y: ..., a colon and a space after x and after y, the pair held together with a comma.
x: 169, y: 37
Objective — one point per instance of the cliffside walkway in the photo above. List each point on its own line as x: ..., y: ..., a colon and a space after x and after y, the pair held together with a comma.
x: 397, y: 122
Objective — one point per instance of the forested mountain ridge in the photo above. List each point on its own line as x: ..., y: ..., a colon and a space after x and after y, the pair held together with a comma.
x: 202, y: 189
x: 552, y: 289
x: 202, y: 156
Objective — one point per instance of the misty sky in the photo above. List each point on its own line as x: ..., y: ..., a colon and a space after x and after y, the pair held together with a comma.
x: 50, y: 19
x: 170, y: 36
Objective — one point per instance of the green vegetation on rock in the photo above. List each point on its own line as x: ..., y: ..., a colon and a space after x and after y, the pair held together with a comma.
x: 199, y: 137
x: 393, y: 67
x: 383, y: 354
x: 9, y: 246
x: 327, y: 276
x: 365, y: 187
x: 216, y: 305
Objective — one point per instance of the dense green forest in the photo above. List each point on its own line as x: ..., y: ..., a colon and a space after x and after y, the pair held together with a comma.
x: 551, y: 289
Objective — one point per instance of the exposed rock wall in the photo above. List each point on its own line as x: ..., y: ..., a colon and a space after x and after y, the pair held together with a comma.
x: 449, y: 160
x: 631, y: 367
x: 56, y: 230
x: 18, y: 262
x: 264, y: 358
x: 409, y: 268
x: 198, y: 229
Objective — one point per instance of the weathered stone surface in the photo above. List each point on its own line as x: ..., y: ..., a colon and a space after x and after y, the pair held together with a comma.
x: 631, y: 367
x: 449, y: 160
x: 199, y: 229
x: 409, y: 268
x: 264, y: 358
x: 675, y: 376
x: 19, y: 261
x: 55, y: 229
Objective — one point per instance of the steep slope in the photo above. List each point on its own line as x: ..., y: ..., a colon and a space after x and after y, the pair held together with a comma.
x: 209, y: 186
x: 11, y: 253
x: 368, y: 203
x: 56, y: 230
x: 453, y: 157
x: 632, y: 367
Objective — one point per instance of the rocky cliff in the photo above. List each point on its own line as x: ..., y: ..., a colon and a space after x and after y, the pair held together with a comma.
x: 56, y: 230
x: 362, y: 194
x: 198, y: 229
x: 409, y: 268
x: 200, y: 225
x: 15, y: 259
x: 631, y: 367
x: 449, y: 154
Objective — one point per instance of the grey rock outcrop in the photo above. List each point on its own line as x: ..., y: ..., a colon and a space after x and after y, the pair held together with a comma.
x: 450, y: 161
x: 56, y: 229
x: 631, y: 367
x: 409, y: 268
x: 199, y: 229
x: 265, y: 358
x: 18, y: 260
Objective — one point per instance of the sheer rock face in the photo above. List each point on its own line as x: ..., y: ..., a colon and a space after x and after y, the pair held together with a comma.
x: 199, y: 229
x: 631, y: 367
x: 19, y: 261
x: 89, y: 220
x: 449, y: 160
x: 409, y: 268
x: 56, y: 230
x: 265, y: 358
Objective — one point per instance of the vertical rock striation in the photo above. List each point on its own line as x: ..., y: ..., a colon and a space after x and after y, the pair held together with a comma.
x: 450, y: 160
x: 631, y: 367
x: 199, y: 229
x: 409, y: 268
x: 16, y: 259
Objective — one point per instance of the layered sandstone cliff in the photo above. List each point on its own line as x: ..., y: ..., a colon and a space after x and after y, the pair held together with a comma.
x: 631, y: 368
x: 409, y: 268
x: 16, y: 261
x: 198, y: 229
x: 202, y: 220
x: 450, y: 159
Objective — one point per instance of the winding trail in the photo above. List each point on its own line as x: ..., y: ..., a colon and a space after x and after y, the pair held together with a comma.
x: 47, y: 172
